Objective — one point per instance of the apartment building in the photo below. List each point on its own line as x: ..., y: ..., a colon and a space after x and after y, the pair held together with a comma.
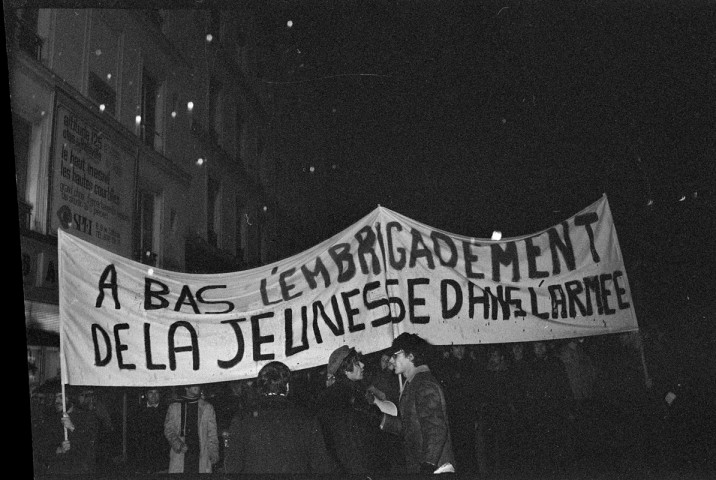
x: 142, y: 131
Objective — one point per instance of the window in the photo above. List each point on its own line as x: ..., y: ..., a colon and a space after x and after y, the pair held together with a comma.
x: 101, y: 93
x: 212, y: 212
x: 27, y: 38
x: 103, y: 66
x: 146, y: 229
x: 149, y: 108
x: 215, y: 25
x: 28, y: 147
x: 22, y: 133
x: 214, y: 111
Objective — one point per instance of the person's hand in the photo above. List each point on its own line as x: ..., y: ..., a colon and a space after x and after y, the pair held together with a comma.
x: 63, y: 448
x: 178, y: 446
x: 426, y: 467
x: 378, y: 394
x: 67, y: 423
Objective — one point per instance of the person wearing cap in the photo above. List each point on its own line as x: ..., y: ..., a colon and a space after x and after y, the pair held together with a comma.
x: 348, y: 417
x: 276, y: 435
x: 423, y: 420
x: 190, y: 428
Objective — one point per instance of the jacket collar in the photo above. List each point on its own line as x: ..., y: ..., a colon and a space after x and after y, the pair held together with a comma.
x: 418, y: 369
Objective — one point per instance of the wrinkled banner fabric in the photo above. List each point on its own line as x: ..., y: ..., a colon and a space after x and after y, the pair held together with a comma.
x: 125, y: 324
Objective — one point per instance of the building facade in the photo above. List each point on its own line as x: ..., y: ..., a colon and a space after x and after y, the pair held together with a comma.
x: 143, y: 132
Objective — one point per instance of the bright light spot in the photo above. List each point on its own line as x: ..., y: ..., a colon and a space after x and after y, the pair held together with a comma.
x: 289, y: 24
x: 109, y: 76
x: 312, y: 169
x: 190, y: 106
x: 683, y: 197
x: 334, y: 166
x: 200, y: 161
x: 693, y: 195
x: 649, y: 202
x: 138, y: 119
x: 150, y: 272
x: 42, y: 114
x: 101, y: 108
x: 333, y: 110
x: 265, y: 208
x: 209, y: 37
x: 496, y: 235
x: 98, y: 52
x: 504, y: 120
x: 174, y: 114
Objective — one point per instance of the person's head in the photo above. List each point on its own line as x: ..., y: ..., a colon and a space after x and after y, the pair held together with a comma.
x: 496, y: 359
x: 153, y: 396
x: 458, y: 351
x: 85, y: 398
x: 518, y: 351
x: 385, y: 362
x: 345, y: 363
x: 408, y: 351
x: 539, y: 349
x: 192, y: 391
x: 273, y: 379
x: 69, y: 400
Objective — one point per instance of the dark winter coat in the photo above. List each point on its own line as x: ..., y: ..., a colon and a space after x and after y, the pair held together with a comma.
x: 423, y: 422
x: 350, y: 426
x: 146, y: 444
x: 80, y: 459
x: 276, y: 437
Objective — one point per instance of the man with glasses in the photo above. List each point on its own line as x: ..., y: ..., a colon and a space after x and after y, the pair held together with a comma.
x: 423, y: 421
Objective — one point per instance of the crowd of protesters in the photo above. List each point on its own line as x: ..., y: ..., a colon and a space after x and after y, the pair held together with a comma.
x: 483, y: 409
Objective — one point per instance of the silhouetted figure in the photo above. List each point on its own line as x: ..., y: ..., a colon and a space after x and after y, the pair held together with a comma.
x: 348, y: 418
x: 146, y: 444
x: 276, y: 436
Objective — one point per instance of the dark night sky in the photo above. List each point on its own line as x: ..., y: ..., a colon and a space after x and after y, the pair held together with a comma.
x: 471, y: 116
x: 521, y: 109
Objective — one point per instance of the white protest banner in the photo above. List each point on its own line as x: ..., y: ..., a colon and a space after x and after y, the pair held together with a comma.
x: 124, y: 323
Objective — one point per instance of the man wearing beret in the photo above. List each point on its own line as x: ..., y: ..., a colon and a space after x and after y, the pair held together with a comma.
x: 423, y: 421
x: 348, y: 417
